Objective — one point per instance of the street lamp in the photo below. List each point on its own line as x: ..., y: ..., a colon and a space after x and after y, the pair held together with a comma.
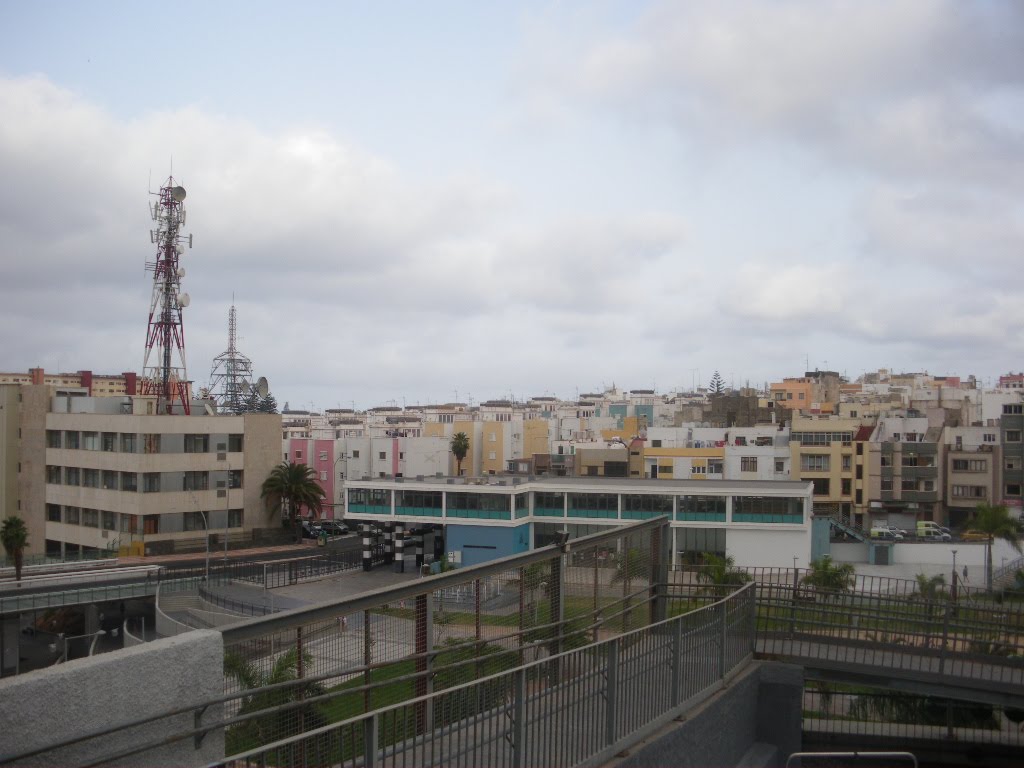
x: 952, y: 591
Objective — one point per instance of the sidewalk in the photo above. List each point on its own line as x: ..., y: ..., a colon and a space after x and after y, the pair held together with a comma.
x: 218, y: 555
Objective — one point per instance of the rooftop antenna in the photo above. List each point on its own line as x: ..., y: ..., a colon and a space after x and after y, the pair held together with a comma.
x: 166, y: 376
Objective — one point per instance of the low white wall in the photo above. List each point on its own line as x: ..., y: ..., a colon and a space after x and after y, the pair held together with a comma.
x: 769, y: 548
x: 92, y: 694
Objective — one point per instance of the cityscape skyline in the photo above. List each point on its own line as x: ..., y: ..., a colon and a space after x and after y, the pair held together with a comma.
x: 412, y: 202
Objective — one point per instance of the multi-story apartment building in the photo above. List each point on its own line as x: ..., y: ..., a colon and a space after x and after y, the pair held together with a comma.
x: 1011, y: 429
x: 814, y: 392
x: 972, y: 457
x: 108, y: 472
x: 825, y: 450
x: 906, y: 468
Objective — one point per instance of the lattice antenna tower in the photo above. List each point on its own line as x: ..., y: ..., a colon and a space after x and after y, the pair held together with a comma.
x: 163, y: 369
x: 231, y: 375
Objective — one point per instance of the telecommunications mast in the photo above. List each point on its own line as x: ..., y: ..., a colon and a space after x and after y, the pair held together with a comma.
x: 163, y: 373
x: 231, y: 378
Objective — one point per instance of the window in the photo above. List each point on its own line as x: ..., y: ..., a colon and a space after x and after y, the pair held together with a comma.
x: 886, y: 461
x: 896, y: 437
x: 655, y: 443
x: 989, y: 437
x: 1013, y: 435
x: 91, y: 478
x: 71, y: 440
x: 355, y: 454
x: 908, y: 485
x: 858, y: 496
x: 108, y: 521
x: 91, y: 518
x: 492, y: 437
x: 127, y: 523
x: 860, y: 449
x: 151, y: 482
x: 235, y: 443
x: 847, y: 462
x: 780, y: 466
x: 382, y: 455
x: 235, y: 478
x: 323, y: 455
x: 323, y: 476
x: 151, y: 443
x: 53, y: 513
x: 298, y: 455
x: 71, y: 515
x: 193, y: 521
x: 197, y: 443
x: 821, y: 486
x: 1013, y: 463
x: 698, y: 469
x: 715, y: 467
x: 815, y: 462
x: 108, y: 480
x: 970, y: 465
x: 129, y: 443
x: 53, y: 438
x: 195, y: 481
x: 800, y: 396
x: 490, y: 456
x: 969, y: 491
x: 108, y: 441
x: 129, y: 481
x: 886, y: 484
x: 748, y: 463
x: 91, y: 441
x: 72, y: 476
x: 846, y: 487
x: 859, y: 474
x: 1015, y: 409
x: 1013, y: 489
x: 234, y: 518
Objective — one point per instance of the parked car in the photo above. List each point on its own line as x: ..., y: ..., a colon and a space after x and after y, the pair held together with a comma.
x: 974, y: 536
x: 933, y: 536
x: 886, y: 534
x: 309, y: 530
x: 333, y: 527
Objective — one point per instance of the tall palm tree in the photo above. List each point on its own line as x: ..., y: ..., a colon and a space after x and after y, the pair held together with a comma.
x: 996, y: 522
x: 14, y: 536
x: 292, y: 486
x: 459, y: 447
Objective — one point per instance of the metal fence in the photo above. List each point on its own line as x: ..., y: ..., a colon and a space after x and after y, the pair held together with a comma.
x: 899, y: 626
x: 559, y: 710
x: 881, y: 717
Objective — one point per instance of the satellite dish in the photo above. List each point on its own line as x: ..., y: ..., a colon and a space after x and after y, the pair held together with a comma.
x: 178, y: 193
x: 183, y: 300
x: 181, y: 271
x: 179, y: 250
x: 210, y: 410
x: 262, y: 387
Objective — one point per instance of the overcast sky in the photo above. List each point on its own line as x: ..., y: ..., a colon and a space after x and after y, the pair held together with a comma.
x: 413, y: 200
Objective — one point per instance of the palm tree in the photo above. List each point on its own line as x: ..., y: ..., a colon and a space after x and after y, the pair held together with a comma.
x: 258, y: 731
x: 460, y: 447
x: 931, y: 588
x: 293, y: 486
x: 828, y: 576
x: 14, y: 536
x: 995, y: 521
x: 720, y: 571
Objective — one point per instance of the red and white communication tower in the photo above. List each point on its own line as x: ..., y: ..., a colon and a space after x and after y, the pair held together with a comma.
x: 163, y: 373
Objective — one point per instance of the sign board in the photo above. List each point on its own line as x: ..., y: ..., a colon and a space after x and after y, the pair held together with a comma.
x: 455, y: 556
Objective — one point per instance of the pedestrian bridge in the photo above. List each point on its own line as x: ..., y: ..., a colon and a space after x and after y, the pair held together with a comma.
x: 558, y: 657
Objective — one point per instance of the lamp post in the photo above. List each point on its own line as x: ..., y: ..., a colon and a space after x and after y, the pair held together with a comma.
x: 952, y: 590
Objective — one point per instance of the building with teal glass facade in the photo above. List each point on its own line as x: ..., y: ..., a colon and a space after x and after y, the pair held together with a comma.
x: 757, y: 523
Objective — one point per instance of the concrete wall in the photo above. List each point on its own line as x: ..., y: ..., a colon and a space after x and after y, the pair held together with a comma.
x: 776, y: 548
x: 103, y: 691
x: 756, y: 721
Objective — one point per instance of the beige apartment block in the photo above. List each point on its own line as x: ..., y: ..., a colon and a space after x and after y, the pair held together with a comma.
x: 105, y: 473
x: 823, y: 449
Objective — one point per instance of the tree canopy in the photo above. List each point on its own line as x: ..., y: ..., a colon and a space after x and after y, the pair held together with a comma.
x: 14, y: 536
x: 717, y: 385
x: 996, y: 522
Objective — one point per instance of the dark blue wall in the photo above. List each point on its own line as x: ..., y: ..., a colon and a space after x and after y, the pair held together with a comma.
x: 481, y: 543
